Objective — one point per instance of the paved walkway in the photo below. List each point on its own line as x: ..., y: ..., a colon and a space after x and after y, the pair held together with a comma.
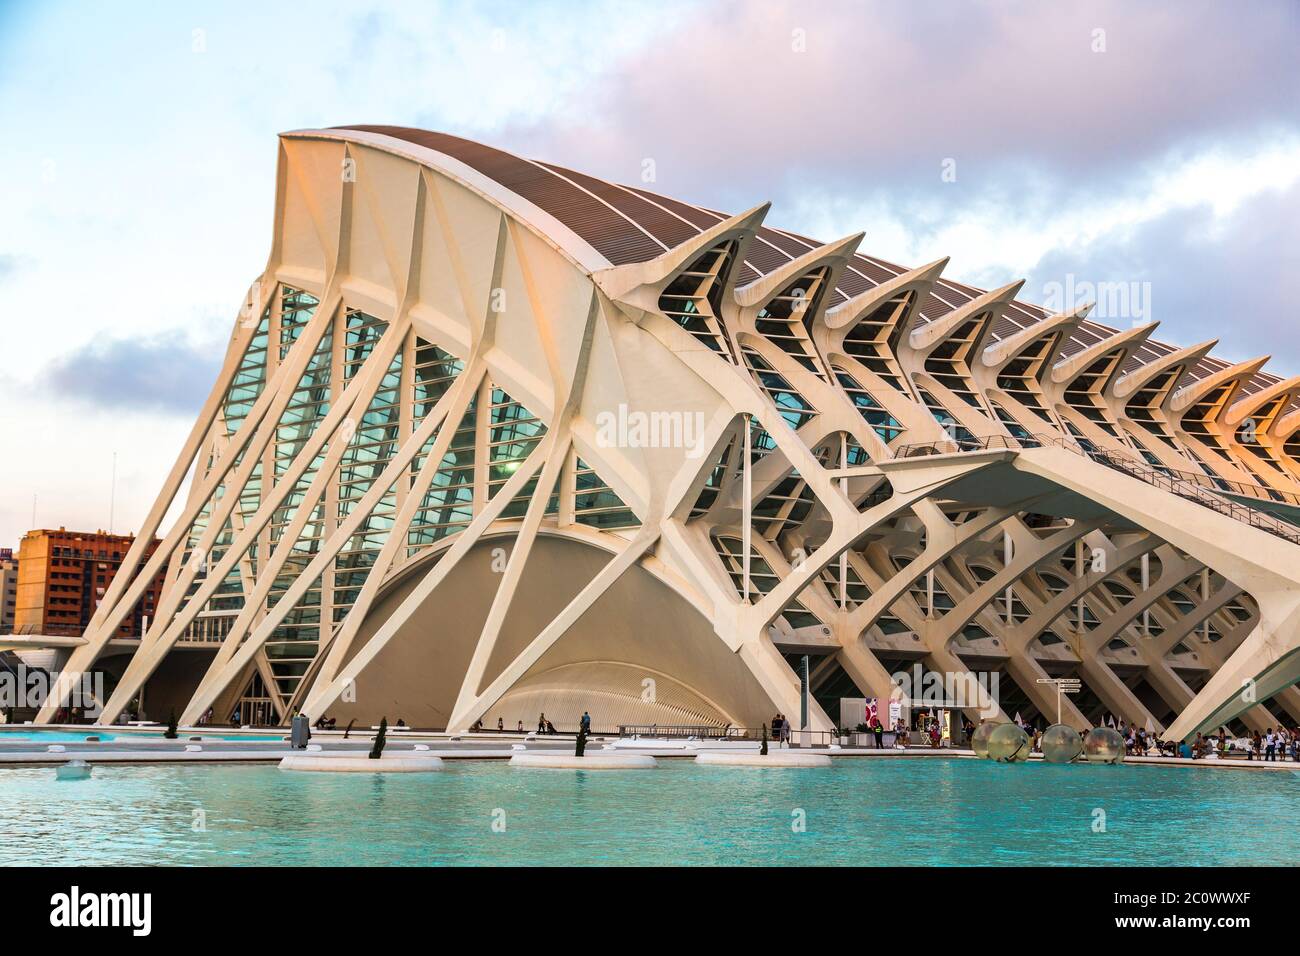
x: 131, y: 748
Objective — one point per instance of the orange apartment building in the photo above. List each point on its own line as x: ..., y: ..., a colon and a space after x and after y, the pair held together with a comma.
x: 62, y: 577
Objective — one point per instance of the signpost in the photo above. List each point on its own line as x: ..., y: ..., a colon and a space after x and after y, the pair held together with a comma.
x: 803, y: 694
x: 1064, y: 685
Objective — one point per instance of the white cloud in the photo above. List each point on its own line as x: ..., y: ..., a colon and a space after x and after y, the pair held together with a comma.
x: 997, y: 237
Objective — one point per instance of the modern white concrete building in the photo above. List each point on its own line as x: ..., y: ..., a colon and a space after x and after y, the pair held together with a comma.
x: 495, y: 438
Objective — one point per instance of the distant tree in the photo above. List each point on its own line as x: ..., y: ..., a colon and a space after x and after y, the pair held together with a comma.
x: 377, y: 750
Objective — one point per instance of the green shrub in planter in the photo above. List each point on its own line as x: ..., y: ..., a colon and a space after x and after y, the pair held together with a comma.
x: 378, y: 749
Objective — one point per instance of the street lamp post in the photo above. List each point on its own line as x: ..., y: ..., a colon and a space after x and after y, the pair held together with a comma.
x: 803, y: 694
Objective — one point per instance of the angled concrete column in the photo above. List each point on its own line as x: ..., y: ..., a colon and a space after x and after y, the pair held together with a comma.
x: 1289, y: 701
x: 865, y: 670
x: 1175, y: 692
x: 1026, y: 671
x: 1267, y: 662
x: 1115, y: 694
x: 942, y: 659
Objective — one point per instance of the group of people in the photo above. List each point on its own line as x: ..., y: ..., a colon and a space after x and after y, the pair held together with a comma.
x: 781, y: 728
x: 64, y: 715
x: 478, y: 727
x: 544, y: 726
x: 1138, y: 741
x: 900, y: 732
x: 1275, y: 744
x: 929, y: 727
x: 1271, y: 745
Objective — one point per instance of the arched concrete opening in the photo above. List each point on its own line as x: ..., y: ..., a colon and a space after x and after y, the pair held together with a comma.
x: 641, y: 654
x: 171, y: 686
x: 168, y: 689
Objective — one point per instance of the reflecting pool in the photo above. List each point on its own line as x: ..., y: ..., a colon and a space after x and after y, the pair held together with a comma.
x: 910, y: 812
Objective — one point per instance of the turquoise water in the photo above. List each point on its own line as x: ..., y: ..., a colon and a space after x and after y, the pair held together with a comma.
x: 873, y: 812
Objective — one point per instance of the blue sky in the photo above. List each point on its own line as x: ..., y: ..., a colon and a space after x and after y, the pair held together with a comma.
x: 1155, y: 143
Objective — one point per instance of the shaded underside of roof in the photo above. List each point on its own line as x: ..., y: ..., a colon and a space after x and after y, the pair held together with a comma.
x: 627, y: 224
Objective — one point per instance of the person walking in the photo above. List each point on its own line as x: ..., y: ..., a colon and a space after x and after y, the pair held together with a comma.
x: 1270, y: 745
x: 585, y: 723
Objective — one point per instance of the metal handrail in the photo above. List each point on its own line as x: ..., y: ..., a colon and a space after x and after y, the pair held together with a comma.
x: 24, y: 629
x: 1197, y: 488
x: 679, y: 731
x: 1192, y: 491
x: 822, y: 738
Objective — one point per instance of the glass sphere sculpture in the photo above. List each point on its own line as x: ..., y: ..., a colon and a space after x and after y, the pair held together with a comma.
x: 1104, y: 745
x: 1008, y: 744
x: 979, y: 740
x: 1061, y: 743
